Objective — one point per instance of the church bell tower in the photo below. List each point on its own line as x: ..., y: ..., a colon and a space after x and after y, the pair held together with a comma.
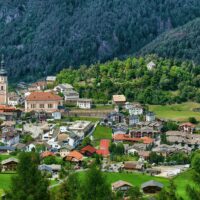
x: 3, y: 83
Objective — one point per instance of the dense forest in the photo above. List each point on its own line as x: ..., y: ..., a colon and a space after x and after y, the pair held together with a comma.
x: 42, y: 37
x: 169, y: 81
x: 182, y: 43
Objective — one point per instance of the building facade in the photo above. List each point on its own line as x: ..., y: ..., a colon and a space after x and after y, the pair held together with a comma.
x: 43, y: 102
x: 3, y: 83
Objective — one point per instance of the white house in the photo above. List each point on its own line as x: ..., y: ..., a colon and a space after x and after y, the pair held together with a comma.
x: 50, y: 79
x: 63, y: 129
x: 71, y: 95
x: 84, y: 103
x: 81, y: 128
x: 64, y: 88
x: 74, y: 140
x: 56, y: 115
x: 151, y: 65
x: 150, y: 117
x: 136, y: 110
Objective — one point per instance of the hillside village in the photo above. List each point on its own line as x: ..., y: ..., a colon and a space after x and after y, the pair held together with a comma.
x: 70, y: 133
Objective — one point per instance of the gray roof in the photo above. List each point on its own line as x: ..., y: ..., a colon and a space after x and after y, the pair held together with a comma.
x: 7, y: 148
x: 9, y: 160
x: 152, y: 183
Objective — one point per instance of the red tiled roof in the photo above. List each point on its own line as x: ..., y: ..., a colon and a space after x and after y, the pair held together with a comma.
x: 89, y: 149
x: 103, y: 152
x: 43, y: 96
x: 46, y: 154
x: 5, y: 108
x: 75, y: 154
x: 104, y: 144
x: 147, y: 140
x: 126, y: 137
x: 188, y: 124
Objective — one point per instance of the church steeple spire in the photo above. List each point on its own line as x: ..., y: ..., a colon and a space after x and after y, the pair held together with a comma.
x: 2, y: 69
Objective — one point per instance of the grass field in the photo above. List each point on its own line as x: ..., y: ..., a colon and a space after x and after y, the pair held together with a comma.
x: 181, y: 181
x: 178, y: 112
x: 102, y: 132
x: 5, y: 181
x: 6, y: 156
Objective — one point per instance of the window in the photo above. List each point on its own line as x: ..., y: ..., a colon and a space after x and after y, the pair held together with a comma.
x: 41, y: 105
x: 33, y: 106
x: 50, y: 105
x: 2, y: 88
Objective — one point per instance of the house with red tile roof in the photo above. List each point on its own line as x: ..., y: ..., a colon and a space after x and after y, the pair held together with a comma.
x: 88, y: 150
x: 74, y: 156
x: 187, y: 127
x: 43, y: 101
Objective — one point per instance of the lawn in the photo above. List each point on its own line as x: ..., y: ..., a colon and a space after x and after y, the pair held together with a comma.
x: 6, y: 156
x: 135, y: 178
x: 181, y: 181
x: 102, y: 132
x: 177, y: 112
x: 5, y: 181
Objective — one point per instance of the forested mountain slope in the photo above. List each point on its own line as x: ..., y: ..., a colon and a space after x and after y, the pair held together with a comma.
x: 170, y: 81
x: 41, y: 37
x: 182, y: 43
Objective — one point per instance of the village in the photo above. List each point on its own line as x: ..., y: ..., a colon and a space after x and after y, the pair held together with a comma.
x: 70, y: 133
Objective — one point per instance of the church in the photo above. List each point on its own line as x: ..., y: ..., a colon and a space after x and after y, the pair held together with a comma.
x: 3, y: 83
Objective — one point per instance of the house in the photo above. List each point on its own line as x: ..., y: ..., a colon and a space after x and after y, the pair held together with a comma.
x: 104, y: 148
x: 65, y: 87
x: 64, y: 151
x: 74, y: 156
x: 135, y: 109
x: 144, y: 131
x: 150, y: 117
x: 88, y: 150
x: 71, y: 96
x: 7, y: 149
x: 144, y: 154
x: 9, y: 164
x: 7, y: 113
x: 134, y: 165
x: 73, y: 140
x: 133, y: 120
x: 57, y: 115
x: 51, y: 79
x: 84, y: 103
x: 119, y: 99
x: 151, y: 65
x: 119, y: 130
x: 81, y: 128
x: 42, y: 101
x: 121, y: 186
x: 9, y: 136
x: 37, y: 86
x: 52, y: 169
x: 114, y: 118
x: 151, y: 187
x: 187, y: 127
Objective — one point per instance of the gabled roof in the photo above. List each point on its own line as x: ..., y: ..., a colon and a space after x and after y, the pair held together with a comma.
x: 152, y: 183
x: 187, y: 124
x: 43, y: 96
x: 89, y: 149
x: 46, y: 154
x: 120, y: 183
x: 75, y: 154
x: 9, y: 160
